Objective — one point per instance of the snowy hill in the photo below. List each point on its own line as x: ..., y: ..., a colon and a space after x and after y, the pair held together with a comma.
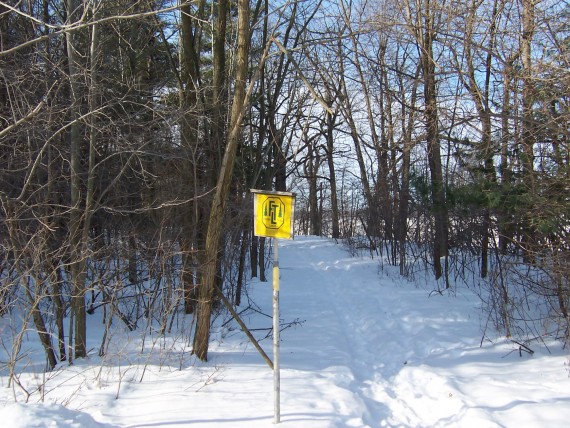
x: 360, y: 348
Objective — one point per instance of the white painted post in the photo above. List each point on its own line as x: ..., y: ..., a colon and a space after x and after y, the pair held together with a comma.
x: 276, y: 327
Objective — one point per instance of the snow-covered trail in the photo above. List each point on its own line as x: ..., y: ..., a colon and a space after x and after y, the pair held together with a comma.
x: 364, y: 348
x: 398, y: 357
x: 363, y: 330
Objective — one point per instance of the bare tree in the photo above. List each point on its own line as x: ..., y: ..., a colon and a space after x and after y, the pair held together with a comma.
x: 239, y: 104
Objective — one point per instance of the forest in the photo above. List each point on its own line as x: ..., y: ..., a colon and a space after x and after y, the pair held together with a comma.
x: 433, y: 133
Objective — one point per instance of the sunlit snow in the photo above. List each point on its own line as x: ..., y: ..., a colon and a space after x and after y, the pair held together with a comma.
x: 361, y: 347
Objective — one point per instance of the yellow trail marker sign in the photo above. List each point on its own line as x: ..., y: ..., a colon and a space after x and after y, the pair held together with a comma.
x: 273, y: 214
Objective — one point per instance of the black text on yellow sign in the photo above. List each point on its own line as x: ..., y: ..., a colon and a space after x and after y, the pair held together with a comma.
x: 273, y: 214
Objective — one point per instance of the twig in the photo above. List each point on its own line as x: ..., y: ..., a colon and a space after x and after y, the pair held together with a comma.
x: 523, y: 347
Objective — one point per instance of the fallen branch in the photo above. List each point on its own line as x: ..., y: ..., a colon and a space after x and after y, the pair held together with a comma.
x: 244, y: 328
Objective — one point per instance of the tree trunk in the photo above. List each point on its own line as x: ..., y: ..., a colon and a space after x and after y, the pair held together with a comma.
x: 206, y: 292
x: 57, y: 286
x: 241, y: 266
x: 405, y: 173
x: 504, y: 216
x: 382, y: 150
x: 261, y: 259
x: 77, y: 265
x: 311, y: 168
x: 480, y: 96
x: 253, y: 255
x: 330, y: 123
x: 56, y: 240
x: 45, y: 337
x: 193, y: 220
x: 527, y: 138
x: 433, y: 147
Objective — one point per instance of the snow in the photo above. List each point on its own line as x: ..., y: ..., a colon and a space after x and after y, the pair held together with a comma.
x: 361, y: 348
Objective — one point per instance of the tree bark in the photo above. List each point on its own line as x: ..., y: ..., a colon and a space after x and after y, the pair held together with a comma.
x: 193, y: 221
x: 330, y: 123
x: 405, y: 173
x: 206, y: 292
x: 504, y: 216
x: 77, y: 265
x: 480, y: 97
x: 311, y: 167
x: 527, y: 137
x: 440, y: 239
